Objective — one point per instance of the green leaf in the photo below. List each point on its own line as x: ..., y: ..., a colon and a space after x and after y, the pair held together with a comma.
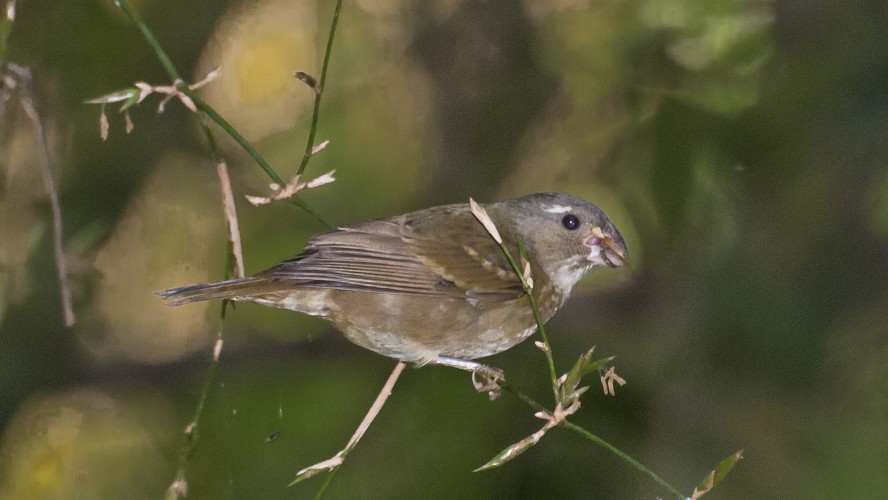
x: 512, y: 451
x: 717, y: 475
x: 572, y: 379
x: 718, y: 37
x: 128, y: 96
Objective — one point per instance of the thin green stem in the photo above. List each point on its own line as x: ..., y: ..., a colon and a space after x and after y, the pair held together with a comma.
x: 191, y: 431
x: 593, y: 438
x: 211, y: 113
x: 152, y: 41
x: 319, y: 91
x: 626, y: 458
x: 22, y: 77
x: 204, y: 111
x: 310, y: 211
x: 200, y: 103
x: 528, y: 290
x: 215, y: 152
x: 538, y: 407
x: 523, y: 397
x: 548, y: 348
x: 329, y: 478
x: 245, y: 144
x: 230, y: 130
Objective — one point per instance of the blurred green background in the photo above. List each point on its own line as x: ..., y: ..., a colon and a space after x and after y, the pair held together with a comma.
x: 740, y: 145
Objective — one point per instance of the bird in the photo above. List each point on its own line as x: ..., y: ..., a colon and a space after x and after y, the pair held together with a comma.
x: 433, y: 286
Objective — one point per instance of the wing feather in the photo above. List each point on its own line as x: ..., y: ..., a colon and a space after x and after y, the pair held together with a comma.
x: 369, y: 256
x: 406, y: 254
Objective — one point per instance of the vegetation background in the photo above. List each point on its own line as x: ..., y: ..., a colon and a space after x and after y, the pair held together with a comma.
x: 740, y: 145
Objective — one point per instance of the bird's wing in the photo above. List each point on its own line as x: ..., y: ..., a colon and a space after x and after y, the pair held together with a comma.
x: 405, y: 254
x: 458, y: 248
x: 369, y: 256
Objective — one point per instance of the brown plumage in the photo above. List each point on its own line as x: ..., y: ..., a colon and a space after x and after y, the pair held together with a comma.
x: 432, y: 285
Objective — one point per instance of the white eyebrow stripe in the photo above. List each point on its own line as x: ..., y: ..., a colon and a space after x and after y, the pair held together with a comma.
x: 557, y: 209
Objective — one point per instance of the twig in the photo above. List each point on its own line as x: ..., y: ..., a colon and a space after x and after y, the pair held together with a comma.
x: 231, y: 217
x: 547, y: 348
x: 319, y: 91
x: 231, y: 131
x: 333, y: 463
x: 227, y: 201
x: 179, y: 487
x: 205, y: 108
x: 52, y: 189
x: 211, y: 113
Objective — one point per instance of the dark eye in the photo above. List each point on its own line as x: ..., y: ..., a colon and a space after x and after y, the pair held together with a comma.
x: 570, y: 222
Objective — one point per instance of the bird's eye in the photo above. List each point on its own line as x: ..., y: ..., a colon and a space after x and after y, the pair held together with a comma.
x: 570, y: 222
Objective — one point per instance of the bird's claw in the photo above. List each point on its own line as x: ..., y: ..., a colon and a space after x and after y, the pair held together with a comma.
x: 486, y: 379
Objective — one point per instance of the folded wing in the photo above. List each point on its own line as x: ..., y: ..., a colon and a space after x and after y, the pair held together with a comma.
x: 441, y: 251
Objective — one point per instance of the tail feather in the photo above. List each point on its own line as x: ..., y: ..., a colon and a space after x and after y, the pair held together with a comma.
x: 228, y: 289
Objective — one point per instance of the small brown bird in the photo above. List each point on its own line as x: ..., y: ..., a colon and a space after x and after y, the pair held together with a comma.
x: 433, y: 286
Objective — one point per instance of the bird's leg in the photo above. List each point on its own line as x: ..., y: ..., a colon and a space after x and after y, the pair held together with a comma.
x: 484, y: 378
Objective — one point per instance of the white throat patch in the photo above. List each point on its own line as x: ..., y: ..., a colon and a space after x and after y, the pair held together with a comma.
x: 567, y: 275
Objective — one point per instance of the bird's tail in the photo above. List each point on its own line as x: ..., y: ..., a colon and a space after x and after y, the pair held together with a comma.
x: 228, y: 289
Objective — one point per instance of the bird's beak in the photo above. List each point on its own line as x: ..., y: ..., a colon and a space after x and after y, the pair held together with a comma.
x: 604, y: 250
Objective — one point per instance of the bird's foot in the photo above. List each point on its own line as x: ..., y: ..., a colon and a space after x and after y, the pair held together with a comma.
x: 486, y: 379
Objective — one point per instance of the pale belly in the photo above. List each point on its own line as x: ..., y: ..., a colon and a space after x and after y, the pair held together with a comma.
x: 416, y: 328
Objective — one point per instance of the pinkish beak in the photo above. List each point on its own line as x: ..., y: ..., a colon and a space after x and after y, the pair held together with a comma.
x: 603, y: 249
